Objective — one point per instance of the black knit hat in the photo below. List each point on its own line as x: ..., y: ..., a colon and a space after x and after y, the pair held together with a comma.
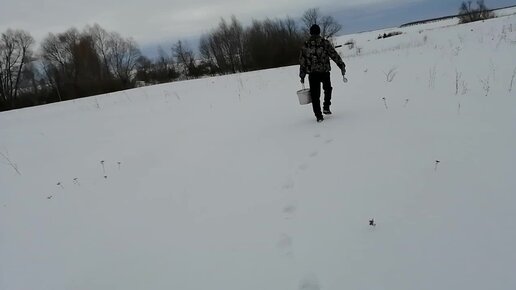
x: 315, y: 30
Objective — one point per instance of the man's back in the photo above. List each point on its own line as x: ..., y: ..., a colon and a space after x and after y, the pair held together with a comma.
x: 315, y: 55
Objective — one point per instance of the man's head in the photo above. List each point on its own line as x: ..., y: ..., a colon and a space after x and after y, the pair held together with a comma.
x: 315, y: 30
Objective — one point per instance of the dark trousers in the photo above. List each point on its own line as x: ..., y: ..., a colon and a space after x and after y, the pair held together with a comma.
x: 315, y: 79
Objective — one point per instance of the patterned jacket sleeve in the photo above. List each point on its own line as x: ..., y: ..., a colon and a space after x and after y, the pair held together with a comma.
x: 334, y: 55
x: 302, y: 63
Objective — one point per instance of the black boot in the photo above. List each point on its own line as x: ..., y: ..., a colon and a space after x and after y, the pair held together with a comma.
x: 326, y: 111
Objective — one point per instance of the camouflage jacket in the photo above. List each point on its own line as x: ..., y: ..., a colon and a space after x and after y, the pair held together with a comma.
x: 315, y: 56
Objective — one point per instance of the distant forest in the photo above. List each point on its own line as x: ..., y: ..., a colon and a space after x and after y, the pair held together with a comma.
x: 80, y: 63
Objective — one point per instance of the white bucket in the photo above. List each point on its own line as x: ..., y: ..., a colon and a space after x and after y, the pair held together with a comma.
x: 304, y: 96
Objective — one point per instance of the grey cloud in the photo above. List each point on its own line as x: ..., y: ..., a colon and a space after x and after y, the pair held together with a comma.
x: 151, y: 20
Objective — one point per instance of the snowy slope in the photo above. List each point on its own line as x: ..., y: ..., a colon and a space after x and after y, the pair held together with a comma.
x: 227, y: 183
x: 506, y: 11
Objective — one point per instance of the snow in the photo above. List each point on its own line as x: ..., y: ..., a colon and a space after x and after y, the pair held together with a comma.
x: 506, y: 12
x: 228, y: 183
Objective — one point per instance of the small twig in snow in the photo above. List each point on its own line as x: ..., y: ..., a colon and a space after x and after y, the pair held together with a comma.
x: 385, y: 103
x: 493, y: 69
x: 127, y: 97
x: 485, y: 85
x: 464, y: 87
x: 457, y: 50
x: 13, y: 165
x: 97, y: 103
x: 457, y: 81
x: 103, y: 168
x: 436, y: 163
x: 406, y: 102
x: 431, y: 80
x: 240, y: 82
x: 512, y: 79
x: 390, y: 75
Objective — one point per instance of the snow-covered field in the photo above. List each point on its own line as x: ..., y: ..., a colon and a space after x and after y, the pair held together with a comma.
x: 228, y: 183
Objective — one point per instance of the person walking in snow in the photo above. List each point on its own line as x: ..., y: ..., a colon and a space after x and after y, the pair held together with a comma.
x: 314, y: 60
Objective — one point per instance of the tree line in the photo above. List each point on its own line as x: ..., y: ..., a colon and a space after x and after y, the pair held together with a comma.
x: 68, y: 65
x: 74, y: 64
x: 232, y: 48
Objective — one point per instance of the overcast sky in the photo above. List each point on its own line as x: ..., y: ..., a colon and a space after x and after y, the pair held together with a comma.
x: 153, y: 22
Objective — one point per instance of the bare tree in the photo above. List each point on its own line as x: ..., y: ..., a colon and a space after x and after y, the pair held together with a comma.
x: 329, y: 26
x: 15, y: 53
x: 290, y: 26
x: 469, y: 14
x: 224, y: 47
x: 101, y: 40
x: 30, y: 77
x: 204, y: 49
x: 207, y: 56
x: 163, y: 61
x: 119, y: 55
x: 164, y: 69
x: 237, y: 43
x: 184, y: 58
x: 309, y: 18
x: 218, y: 51
x: 123, y: 57
x: 92, y: 62
x: 225, y: 36
x: 272, y: 43
x: 57, y: 52
x: 144, y: 69
x: 88, y: 65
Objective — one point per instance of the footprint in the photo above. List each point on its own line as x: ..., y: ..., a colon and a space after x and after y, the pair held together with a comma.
x: 317, y: 135
x: 285, y: 245
x: 309, y: 283
x: 328, y: 141
x: 289, y: 184
x: 314, y: 154
x: 289, y: 211
x: 285, y: 242
x: 303, y: 166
